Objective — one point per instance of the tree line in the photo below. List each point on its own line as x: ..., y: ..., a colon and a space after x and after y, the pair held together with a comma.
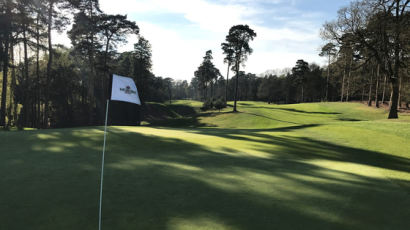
x: 47, y: 85
x: 367, y: 54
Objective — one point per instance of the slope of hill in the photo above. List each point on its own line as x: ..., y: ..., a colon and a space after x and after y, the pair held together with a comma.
x: 253, y: 115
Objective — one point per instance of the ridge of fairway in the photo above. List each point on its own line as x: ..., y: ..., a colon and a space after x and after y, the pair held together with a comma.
x: 260, y: 115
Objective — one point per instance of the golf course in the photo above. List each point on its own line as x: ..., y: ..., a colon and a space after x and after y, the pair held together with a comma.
x: 302, y: 166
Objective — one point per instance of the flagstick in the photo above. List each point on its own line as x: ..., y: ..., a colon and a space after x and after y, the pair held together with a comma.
x: 102, y: 165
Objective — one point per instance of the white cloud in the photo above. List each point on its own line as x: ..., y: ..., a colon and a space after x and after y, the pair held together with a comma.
x: 177, y: 55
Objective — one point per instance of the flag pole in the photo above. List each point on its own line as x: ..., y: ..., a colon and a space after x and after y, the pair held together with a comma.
x: 102, y: 166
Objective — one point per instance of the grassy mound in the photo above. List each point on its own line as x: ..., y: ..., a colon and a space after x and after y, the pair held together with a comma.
x: 305, y: 166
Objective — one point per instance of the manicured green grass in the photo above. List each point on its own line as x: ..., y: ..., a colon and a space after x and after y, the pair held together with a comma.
x: 305, y: 166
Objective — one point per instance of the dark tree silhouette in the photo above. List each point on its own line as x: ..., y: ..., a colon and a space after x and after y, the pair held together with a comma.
x: 328, y: 50
x: 300, y: 71
x: 207, y: 73
x: 229, y: 54
x: 238, y: 39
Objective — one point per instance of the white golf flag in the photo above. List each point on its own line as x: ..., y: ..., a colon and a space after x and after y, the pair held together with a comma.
x: 124, y: 89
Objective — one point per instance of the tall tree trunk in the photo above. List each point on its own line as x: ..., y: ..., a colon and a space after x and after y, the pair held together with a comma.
x: 343, y: 80
x: 236, y: 86
x: 104, y: 87
x: 394, y: 98
x: 12, y: 103
x: 349, y: 78
x: 91, y: 77
x: 376, y: 99
x: 212, y: 89
x: 26, y: 104
x: 348, y: 88
x: 384, y: 88
x: 227, y: 79
x: 369, y: 102
x: 49, y: 64
x: 38, y: 93
x: 4, y: 87
x: 327, y: 78
x: 7, y: 33
x: 400, y: 89
x: 395, y: 78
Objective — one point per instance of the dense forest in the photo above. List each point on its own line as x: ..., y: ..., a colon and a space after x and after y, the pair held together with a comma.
x: 46, y: 85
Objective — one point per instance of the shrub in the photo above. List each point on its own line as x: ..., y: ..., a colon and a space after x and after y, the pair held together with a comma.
x: 208, y: 104
x: 220, y: 104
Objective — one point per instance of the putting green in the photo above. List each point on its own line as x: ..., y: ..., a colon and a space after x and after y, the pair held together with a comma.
x: 306, y: 166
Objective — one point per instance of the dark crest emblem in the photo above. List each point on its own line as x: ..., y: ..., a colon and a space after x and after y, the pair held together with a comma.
x: 128, y: 90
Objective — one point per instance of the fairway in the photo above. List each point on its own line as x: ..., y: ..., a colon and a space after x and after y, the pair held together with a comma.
x: 302, y: 166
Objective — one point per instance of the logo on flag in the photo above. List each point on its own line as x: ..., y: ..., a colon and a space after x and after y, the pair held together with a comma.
x: 128, y: 90
x: 124, y: 89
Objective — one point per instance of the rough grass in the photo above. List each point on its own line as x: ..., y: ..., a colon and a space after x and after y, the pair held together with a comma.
x: 306, y: 166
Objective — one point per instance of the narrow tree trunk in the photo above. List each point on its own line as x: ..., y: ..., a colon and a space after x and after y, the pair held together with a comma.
x: 369, y: 102
x: 5, y: 67
x: 348, y: 79
x: 91, y: 77
x: 384, y: 88
x: 38, y: 93
x: 376, y: 99
x: 348, y: 88
x: 236, y: 87
x: 103, y: 87
x: 12, y: 103
x: 4, y: 87
x: 395, y: 78
x: 49, y: 64
x: 400, y: 87
x: 394, y: 99
x: 327, y: 78
x: 212, y: 89
x: 227, y: 81
x: 26, y: 104
x: 343, y: 80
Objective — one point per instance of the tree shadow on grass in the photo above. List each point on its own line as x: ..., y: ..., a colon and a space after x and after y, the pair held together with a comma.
x: 154, y: 182
x: 349, y: 119
x: 309, y: 148
x: 270, y: 118
x: 193, y: 121
x: 292, y: 110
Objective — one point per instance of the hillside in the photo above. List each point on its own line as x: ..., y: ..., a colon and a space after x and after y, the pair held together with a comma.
x: 254, y: 115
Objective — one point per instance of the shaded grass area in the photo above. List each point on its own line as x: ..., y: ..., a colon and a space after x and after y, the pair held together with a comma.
x: 197, y: 178
x: 262, y: 168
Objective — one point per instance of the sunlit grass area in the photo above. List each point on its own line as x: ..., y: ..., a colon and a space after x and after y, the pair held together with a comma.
x: 306, y: 166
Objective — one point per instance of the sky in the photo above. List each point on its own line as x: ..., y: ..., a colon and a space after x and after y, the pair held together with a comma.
x: 181, y: 31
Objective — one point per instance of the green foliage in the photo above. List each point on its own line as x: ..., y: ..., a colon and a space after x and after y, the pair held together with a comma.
x: 220, y: 104
x: 237, y: 48
x: 206, y: 74
x: 208, y: 104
